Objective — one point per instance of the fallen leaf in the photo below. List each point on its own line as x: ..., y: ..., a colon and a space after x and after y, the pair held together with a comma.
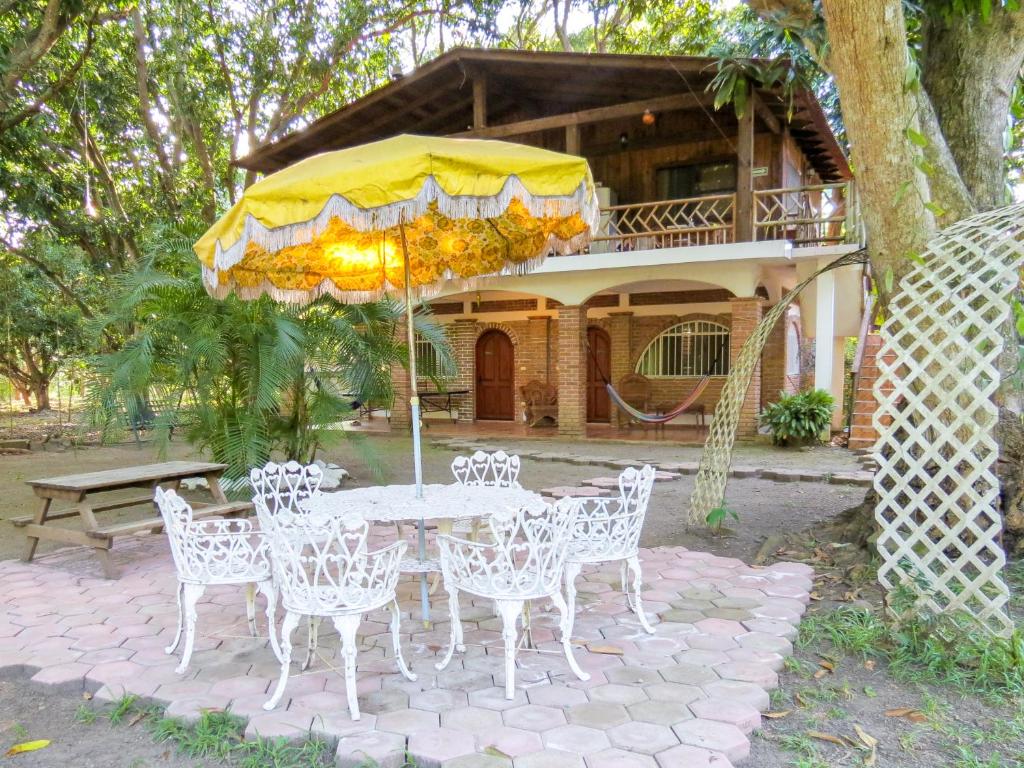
x: 869, y: 665
x: 27, y: 746
x: 826, y: 737
x: 777, y: 715
x: 433, y: 648
x: 917, y: 717
x: 815, y: 596
x: 614, y: 650
x: 87, y: 696
x: 867, y: 738
x: 826, y: 664
x: 137, y: 718
x: 493, y: 751
x: 820, y: 674
x: 799, y: 700
x: 911, y: 714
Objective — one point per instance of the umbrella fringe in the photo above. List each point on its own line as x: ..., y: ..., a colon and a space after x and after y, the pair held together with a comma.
x: 220, y: 289
x: 582, y: 201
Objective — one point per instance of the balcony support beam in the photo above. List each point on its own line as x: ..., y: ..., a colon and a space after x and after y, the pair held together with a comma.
x: 479, y: 101
x: 744, y: 176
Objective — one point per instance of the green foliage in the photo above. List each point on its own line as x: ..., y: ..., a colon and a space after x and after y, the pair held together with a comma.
x: 247, y: 379
x: 717, y: 516
x: 799, y: 419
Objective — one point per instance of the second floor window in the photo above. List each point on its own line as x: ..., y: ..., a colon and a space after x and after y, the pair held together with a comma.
x: 696, y: 180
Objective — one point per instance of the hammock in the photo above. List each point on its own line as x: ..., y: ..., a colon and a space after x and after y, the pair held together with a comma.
x: 654, y: 418
x: 664, y: 418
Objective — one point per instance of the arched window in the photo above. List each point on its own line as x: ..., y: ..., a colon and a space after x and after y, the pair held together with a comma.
x: 693, y: 348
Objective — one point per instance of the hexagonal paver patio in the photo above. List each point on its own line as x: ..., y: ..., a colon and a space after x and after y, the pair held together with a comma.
x: 688, y: 695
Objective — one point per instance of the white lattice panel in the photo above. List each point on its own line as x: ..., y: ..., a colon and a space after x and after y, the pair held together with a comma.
x: 938, y: 371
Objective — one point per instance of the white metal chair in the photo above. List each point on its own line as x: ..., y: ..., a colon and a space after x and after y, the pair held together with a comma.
x: 282, y: 487
x: 323, y: 569
x: 524, y: 562
x: 498, y: 470
x: 608, y: 529
x: 214, y: 551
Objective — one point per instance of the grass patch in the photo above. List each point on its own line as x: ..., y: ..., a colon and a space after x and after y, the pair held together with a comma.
x: 218, y: 735
x: 924, y: 649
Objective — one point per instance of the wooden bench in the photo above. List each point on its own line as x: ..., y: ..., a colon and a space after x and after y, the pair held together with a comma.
x: 79, y: 490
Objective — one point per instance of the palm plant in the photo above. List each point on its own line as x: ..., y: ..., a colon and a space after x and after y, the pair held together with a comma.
x: 248, y: 379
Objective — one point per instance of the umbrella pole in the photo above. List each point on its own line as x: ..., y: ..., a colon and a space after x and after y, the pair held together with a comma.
x: 414, y: 407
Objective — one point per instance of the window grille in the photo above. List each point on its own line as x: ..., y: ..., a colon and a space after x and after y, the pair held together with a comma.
x: 693, y: 348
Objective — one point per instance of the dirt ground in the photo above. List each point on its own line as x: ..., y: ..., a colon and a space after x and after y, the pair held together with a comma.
x: 954, y: 730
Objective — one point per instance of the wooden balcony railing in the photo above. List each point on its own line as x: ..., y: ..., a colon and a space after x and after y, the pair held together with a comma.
x: 823, y: 214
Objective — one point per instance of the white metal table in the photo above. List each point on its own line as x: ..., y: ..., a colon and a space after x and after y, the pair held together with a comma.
x: 441, y: 504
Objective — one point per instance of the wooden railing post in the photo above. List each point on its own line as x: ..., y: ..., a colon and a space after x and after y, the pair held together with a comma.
x: 744, y: 176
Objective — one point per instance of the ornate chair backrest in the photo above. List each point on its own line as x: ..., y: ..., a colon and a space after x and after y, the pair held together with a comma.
x: 282, y: 487
x: 322, y: 565
x: 530, y: 550
x: 493, y: 469
x: 610, y: 528
x: 177, y: 515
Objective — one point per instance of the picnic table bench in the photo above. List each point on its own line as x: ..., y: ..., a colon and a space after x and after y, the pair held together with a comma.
x: 78, y: 489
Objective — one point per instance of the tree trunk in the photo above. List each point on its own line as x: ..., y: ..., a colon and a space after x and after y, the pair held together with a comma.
x: 968, y: 69
x: 41, y: 392
x: 869, y: 62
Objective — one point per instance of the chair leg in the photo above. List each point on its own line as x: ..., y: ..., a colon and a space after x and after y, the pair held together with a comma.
x: 347, y: 627
x: 509, y: 610
x: 455, y: 642
x: 623, y: 581
x: 291, y: 620
x: 189, y: 599
x: 181, y: 620
x: 396, y: 631
x: 572, y: 570
x: 250, y: 607
x: 564, y: 625
x: 270, y: 593
x: 314, y: 638
x: 638, y: 606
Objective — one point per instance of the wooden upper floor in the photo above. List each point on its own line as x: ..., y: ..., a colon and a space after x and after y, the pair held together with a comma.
x: 671, y: 169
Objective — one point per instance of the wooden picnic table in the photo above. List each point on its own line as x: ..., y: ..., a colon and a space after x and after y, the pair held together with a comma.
x: 79, y: 490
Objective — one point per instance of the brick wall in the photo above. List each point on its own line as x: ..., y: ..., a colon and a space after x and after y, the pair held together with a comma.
x: 746, y: 314
x: 572, y: 370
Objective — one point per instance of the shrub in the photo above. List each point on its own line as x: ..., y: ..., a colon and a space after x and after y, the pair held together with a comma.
x: 799, y: 419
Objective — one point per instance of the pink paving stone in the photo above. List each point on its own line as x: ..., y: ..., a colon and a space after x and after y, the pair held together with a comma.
x: 549, y: 758
x: 743, y: 716
x: 182, y: 690
x: 438, y: 700
x: 114, y: 672
x: 291, y: 726
x: 319, y: 703
x: 104, y: 655
x: 407, y: 721
x: 701, y: 658
x: 434, y: 747
x: 70, y: 677
x: 774, y: 660
x: 735, y: 690
x: 237, y: 687
x: 618, y: 694
x: 646, y: 738
x: 471, y: 719
x: 619, y: 758
x: 685, y: 756
x: 386, y: 750
x: 555, y: 696
x: 782, y: 629
x: 577, y: 739
x: 725, y: 627
x: 513, y: 742
x: 533, y: 717
x: 749, y: 672
x: 191, y: 710
x: 714, y: 736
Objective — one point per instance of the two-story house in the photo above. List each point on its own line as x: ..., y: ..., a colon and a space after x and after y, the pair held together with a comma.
x: 708, y: 218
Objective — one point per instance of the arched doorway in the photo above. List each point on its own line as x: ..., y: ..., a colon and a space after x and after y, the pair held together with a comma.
x: 495, y: 377
x: 599, y: 363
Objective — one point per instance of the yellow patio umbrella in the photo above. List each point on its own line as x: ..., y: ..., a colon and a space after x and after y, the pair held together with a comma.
x: 406, y: 215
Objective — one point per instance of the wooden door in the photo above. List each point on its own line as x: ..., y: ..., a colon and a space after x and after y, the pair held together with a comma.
x: 599, y: 361
x: 495, y: 377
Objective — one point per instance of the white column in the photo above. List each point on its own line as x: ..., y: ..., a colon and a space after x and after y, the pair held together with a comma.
x: 824, y: 328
